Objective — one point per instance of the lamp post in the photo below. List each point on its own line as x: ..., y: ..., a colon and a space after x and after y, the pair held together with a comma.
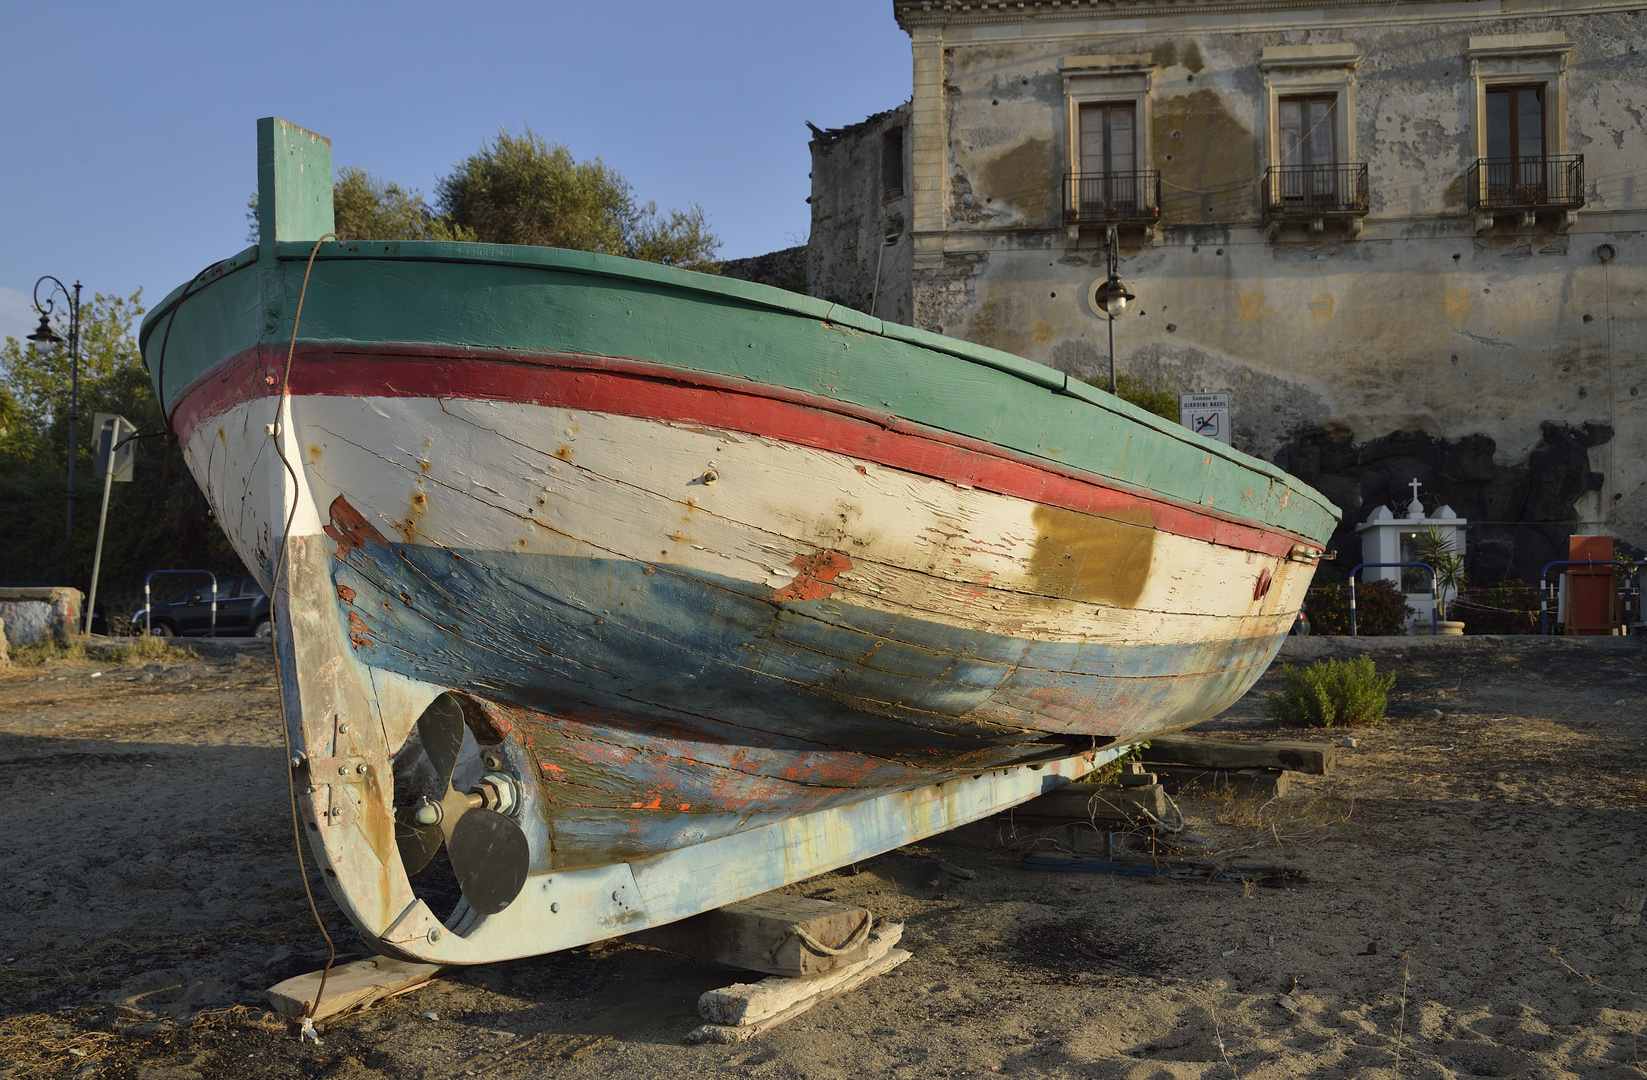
x: 1112, y: 297
x: 45, y: 341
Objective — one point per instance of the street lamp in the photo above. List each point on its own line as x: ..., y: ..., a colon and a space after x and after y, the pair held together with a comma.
x: 1112, y: 297
x: 45, y: 342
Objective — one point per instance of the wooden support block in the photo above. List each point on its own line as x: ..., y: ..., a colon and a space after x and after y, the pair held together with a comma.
x: 775, y: 933
x: 1267, y: 783
x: 1095, y: 802
x: 1314, y: 758
x: 347, y: 986
x: 749, y: 1003
x: 743, y: 1011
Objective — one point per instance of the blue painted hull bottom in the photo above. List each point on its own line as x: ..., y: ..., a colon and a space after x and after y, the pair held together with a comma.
x: 662, y: 707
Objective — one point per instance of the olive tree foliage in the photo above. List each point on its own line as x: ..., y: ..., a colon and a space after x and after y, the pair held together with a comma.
x: 158, y: 521
x: 522, y: 189
x: 367, y: 208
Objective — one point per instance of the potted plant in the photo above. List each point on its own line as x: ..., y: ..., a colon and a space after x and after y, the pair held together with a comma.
x: 1436, y: 548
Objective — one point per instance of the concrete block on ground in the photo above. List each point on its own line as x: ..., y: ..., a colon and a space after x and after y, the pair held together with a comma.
x: 33, y: 614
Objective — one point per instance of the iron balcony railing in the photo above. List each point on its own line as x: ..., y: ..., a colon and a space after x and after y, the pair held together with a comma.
x: 1556, y: 180
x: 1314, y: 190
x: 1112, y: 196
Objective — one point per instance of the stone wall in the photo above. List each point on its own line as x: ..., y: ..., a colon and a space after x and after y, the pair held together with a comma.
x: 1520, y: 514
x: 855, y: 211
x: 782, y: 269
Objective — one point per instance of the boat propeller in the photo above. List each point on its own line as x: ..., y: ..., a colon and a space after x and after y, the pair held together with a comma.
x: 487, y: 849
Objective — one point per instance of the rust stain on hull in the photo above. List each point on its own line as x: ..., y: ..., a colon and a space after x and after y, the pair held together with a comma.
x: 814, y: 573
x: 1100, y: 560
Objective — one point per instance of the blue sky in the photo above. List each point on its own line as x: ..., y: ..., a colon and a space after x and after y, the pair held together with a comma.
x: 132, y: 127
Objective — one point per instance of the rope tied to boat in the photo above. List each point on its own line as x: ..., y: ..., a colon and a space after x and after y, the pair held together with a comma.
x: 853, y: 940
x: 276, y: 430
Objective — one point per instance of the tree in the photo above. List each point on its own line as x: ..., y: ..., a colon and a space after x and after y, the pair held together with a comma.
x: 159, y: 521
x: 367, y: 208
x: 525, y: 190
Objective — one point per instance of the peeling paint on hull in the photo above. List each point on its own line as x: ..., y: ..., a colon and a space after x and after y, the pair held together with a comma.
x: 697, y: 615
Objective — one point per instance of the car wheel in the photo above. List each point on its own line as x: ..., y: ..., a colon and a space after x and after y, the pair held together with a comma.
x: 262, y: 628
x: 163, y: 630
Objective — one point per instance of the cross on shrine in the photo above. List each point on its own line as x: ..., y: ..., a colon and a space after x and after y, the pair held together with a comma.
x: 1415, y: 485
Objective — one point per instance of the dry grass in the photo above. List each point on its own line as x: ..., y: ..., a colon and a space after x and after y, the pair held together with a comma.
x: 1244, y: 825
x: 44, y: 1043
x: 129, y: 652
x: 238, y: 1016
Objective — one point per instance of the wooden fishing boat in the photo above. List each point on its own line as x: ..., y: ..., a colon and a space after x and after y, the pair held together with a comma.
x: 643, y: 591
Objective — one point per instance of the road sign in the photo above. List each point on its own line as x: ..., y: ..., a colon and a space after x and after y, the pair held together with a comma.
x: 108, y: 431
x: 1206, y: 414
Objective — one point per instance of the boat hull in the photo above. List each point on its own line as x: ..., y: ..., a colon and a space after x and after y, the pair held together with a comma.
x: 695, y: 612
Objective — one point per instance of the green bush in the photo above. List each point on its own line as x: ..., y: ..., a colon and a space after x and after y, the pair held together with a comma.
x: 1380, y: 609
x: 1330, y: 692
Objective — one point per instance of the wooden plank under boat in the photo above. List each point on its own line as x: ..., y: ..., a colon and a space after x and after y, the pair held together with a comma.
x: 644, y: 591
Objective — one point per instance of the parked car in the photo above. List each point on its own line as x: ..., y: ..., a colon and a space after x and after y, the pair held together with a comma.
x: 242, y: 608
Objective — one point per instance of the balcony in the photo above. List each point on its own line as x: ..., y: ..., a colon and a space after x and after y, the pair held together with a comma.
x: 1528, y: 187
x: 1113, y: 198
x: 1314, y: 194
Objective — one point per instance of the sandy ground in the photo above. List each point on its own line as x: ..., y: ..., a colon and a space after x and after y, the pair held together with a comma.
x: 1464, y: 863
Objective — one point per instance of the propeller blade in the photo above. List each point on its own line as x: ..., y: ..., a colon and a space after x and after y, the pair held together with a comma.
x: 417, y: 843
x: 440, y: 728
x: 489, y: 856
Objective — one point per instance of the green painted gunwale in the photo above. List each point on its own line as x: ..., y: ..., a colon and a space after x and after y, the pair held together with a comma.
x: 490, y: 296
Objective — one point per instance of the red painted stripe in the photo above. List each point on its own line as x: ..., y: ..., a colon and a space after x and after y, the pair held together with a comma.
x: 658, y: 392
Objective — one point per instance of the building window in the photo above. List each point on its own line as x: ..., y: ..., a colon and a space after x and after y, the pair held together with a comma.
x: 1108, y: 122
x: 1109, y: 160
x: 1517, y: 172
x: 1312, y: 176
x: 892, y: 163
x: 1520, y: 167
x: 1308, y: 130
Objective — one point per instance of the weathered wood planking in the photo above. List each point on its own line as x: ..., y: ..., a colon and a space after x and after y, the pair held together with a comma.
x: 743, y: 1004
x: 348, y: 986
x: 1314, y: 758
x: 429, y: 296
x: 890, y: 569
x: 742, y: 1011
x: 530, y: 479
x: 769, y: 933
x: 1261, y: 783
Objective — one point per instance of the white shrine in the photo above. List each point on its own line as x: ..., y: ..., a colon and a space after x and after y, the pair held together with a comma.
x: 1386, y: 538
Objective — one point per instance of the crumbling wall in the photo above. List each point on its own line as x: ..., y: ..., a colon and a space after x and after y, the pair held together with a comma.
x: 782, y: 269
x: 30, y: 614
x: 848, y: 258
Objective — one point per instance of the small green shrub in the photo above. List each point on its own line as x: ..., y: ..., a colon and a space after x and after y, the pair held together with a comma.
x: 1160, y: 400
x: 1380, y: 609
x: 1330, y: 692
x: 1109, y: 773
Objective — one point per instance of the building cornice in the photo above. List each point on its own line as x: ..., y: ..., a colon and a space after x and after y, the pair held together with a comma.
x: 1047, y: 15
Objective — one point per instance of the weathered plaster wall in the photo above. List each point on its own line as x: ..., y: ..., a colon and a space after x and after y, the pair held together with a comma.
x: 1416, y: 326
x: 852, y: 217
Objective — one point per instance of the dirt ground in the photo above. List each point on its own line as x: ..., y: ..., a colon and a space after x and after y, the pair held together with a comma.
x: 1464, y: 866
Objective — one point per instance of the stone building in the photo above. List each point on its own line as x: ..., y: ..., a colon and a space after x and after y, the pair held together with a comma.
x: 1405, y: 237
